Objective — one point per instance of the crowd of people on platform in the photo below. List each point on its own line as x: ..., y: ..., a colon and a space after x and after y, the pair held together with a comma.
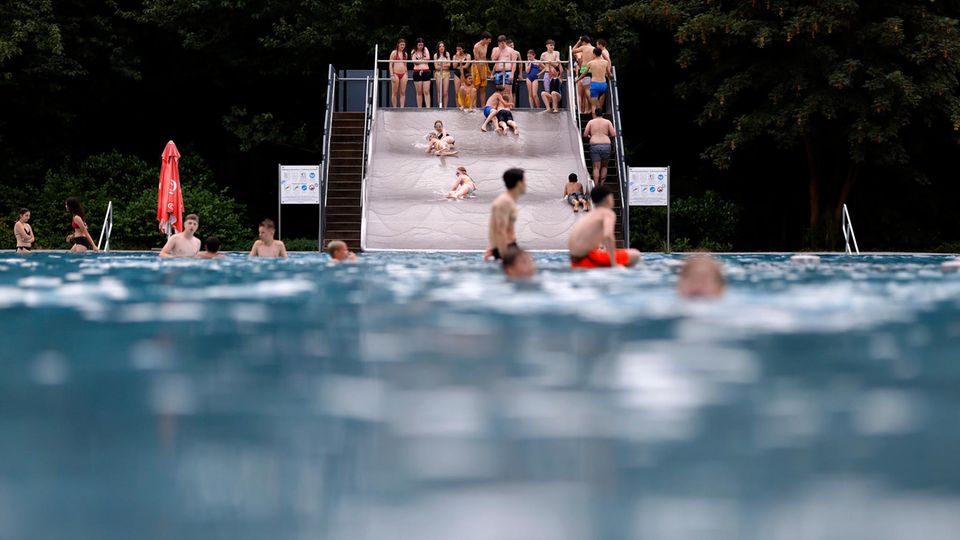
x: 500, y: 66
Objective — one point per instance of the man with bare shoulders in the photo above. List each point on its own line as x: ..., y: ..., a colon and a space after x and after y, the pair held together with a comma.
x: 481, y: 71
x: 494, y: 104
x: 599, y: 69
x: 599, y: 131
x: 551, y: 57
x: 184, y: 244
x: 502, y: 69
x: 592, y: 240
x: 583, y: 51
x: 266, y: 246
x: 503, y: 215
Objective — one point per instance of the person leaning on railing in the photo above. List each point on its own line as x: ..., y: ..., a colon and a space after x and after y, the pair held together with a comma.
x: 442, y: 66
x: 398, y: 74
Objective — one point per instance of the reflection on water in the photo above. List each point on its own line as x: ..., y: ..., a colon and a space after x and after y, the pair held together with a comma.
x: 423, y: 396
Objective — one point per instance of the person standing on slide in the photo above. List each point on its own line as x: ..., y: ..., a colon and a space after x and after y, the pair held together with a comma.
x: 503, y: 215
x: 480, y: 70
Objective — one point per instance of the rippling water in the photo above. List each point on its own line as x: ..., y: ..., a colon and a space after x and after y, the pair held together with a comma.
x: 425, y: 397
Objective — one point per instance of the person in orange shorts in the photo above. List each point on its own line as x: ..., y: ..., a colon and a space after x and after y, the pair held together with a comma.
x: 592, y: 239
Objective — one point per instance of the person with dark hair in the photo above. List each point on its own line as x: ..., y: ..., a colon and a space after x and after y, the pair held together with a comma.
x: 398, y: 74
x: 518, y: 264
x: 23, y: 232
x: 80, y: 237
x: 593, y: 243
x: 583, y: 52
x: 551, y: 88
x: 701, y: 277
x: 532, y: 71
x: 442, y: 67
x: 339, y: 252
x: 266, y: 246
x: 503, y: 69
x: 461, y: 68
x: 503, y: 214
x: 550, y: 57
x: 421, y: 72
x: 600, y: 132
x: 598, y: 69
x: 467, y: 94
x: 184, y: 244
x: 494, y: 104
x: 463, y: 186
x: 505, y: 121
x: 480, y: 70
x: 573, y: 193
x: 213, y: 249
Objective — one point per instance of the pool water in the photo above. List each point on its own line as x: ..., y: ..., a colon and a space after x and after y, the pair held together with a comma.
x: 423, y: 396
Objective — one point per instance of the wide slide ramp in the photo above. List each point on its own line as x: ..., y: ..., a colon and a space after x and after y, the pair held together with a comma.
x: 404, y: 205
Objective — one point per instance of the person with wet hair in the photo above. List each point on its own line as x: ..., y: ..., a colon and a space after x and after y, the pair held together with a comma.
x: 23, y: 232
x: 503, y: 214
x: 701, y: 276
x: 266, y: 245
x: 573, y: 193
x: 494, y: 104
x: 213, y: 249
x: 339, y: 252
x: 184, y: 244
x: 80, y: 238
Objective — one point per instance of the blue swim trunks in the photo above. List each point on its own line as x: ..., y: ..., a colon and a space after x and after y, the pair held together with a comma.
x: 598, y: 89
x: 503, y: 77
x: 487, y: 110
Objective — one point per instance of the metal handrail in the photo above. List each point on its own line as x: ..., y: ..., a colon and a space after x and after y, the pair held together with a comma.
x: 848, y: 234
x: 366, y: 132
x: 623, y: 173
x: 573, y: 104
x: 327, y: 135
x: 107, y: 229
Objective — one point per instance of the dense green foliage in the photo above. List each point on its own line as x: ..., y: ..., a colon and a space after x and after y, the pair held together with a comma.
x: 784, y: 108
x: 698, y: 222
x: 132, y: 186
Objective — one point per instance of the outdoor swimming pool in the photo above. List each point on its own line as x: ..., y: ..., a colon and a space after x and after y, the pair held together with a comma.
x: 425, y: 397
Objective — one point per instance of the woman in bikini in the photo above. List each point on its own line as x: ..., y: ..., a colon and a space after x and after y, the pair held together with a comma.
x: 533, y: 80
x: 23, y: 232
x: 441, y: 64
x: 421, y: 73
x: 438, y: 146
x: 461, y: 67
x: 398, y: 74
x: 80, y: 237
x: 442, y: 133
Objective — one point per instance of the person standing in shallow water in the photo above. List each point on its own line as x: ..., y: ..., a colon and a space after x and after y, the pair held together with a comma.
x: 266, y: 246
x: 80, y: 237
x: 503, y: 215
x: 593, y: 243
x: 184, y: 244
x: 23, y: 232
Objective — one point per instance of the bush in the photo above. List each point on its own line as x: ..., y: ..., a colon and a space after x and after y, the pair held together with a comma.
x: 698, y: 222
x: 300, y: 244
x: 132, y: 186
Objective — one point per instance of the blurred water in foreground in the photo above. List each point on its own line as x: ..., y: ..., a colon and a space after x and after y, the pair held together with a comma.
x: 416, y: 396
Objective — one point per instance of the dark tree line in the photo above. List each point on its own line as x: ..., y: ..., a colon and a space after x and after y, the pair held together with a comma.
x: 773, y: 113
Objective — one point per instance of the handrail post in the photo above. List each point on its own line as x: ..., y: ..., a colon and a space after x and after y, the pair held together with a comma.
x: 622, y: 172
x: 327, y: 135
x: 107, y: 228
x: 847, y: 226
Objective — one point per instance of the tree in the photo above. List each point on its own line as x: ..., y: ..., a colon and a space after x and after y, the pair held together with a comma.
x: 846, y: 83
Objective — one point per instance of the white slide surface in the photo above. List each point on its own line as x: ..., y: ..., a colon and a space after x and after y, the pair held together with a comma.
x: 405, y: 208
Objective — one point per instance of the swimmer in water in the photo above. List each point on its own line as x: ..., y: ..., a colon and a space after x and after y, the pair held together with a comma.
x: 266, y: 246
x: 593, y: 243
x: 339, y: 252
x: 80, y: 238
x: 213, y: 249
x: 23, y: 232
x: 701, y: 277
x: 184, y: 244
x: 518, y: 264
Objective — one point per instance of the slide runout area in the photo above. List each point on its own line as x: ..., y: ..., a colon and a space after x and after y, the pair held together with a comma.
x: 405, y: 207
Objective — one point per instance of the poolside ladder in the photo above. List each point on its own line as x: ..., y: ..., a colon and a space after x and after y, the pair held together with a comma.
x: 848, y: 233
x: 104, y: 243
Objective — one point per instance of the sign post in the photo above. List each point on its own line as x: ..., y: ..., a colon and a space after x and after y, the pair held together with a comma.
x: 650, y: 186
x: 298, y: 184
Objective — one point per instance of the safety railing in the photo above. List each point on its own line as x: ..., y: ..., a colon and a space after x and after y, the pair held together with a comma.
x: 848, y: 234
x: 327, y: 136
x: 103, y: 244
x: 573, y: 104
x: 623, y: 173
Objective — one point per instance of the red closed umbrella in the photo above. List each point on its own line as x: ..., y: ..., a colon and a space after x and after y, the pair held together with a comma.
x: 169, y: 194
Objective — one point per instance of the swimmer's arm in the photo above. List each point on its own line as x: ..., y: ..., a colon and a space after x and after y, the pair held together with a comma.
x: 612, y: 131
x: 502, y: 226
x: 586, y: 129
x: 254, y: 250
x: 283, y: 249
x: 167, y: 248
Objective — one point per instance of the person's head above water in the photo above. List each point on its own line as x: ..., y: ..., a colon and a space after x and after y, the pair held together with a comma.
x: 601, y: 196
x: 701, y: 277
x: 338, y: 250
x: 266, y: 230
x: 191, y: 223
x: 513, y: 179
x: 573, y: 178
x: 518, y: 263
x: 213, y: 244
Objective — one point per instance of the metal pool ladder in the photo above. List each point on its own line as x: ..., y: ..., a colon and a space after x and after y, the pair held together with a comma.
x: 848, y: 233
x: 106, y: 229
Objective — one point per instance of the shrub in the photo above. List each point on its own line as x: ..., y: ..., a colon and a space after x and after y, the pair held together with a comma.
x: 697, y: 222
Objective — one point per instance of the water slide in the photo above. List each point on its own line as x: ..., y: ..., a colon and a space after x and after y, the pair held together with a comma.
x: 405, y: 207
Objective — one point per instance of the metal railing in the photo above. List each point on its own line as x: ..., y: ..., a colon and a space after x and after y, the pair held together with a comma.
x: 327, y: 135
x: 107, y: 229
x: 623, y: 173
x: 847, y: 226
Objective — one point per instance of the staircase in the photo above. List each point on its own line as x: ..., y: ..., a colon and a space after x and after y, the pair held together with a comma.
x: 612, y: 178
x: 344, y: 181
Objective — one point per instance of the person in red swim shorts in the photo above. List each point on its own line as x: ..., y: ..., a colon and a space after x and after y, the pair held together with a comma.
x: 592, y: 239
